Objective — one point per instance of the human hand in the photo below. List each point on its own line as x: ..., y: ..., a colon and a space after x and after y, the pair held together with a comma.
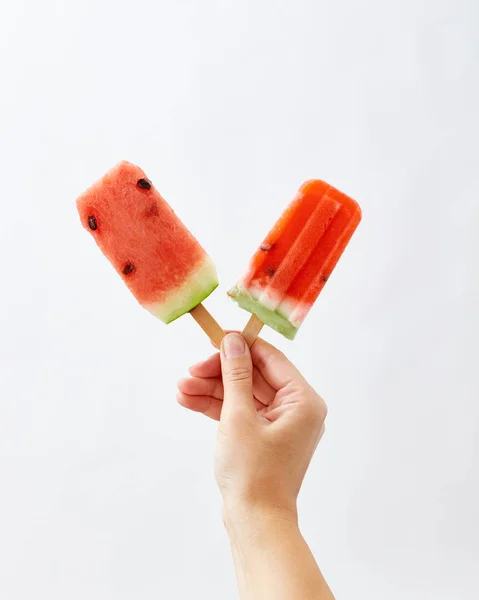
x: 271, y: 421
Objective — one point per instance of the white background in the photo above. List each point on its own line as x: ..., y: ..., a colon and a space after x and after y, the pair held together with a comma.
x: 106, y: 484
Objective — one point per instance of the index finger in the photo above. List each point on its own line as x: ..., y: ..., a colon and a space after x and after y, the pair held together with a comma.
x: 211, y: 367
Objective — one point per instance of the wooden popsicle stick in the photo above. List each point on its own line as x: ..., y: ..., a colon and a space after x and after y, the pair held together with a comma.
x: 252, y: 330
x: 208, y: 324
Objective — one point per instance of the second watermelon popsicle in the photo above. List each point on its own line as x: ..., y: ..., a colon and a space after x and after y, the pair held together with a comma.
x: 296, y: 259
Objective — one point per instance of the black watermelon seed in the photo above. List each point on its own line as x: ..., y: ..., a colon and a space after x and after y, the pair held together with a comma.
x: 266, y: 247
x: 145, y: 184
x: 128, y: 268
x: 270, y: 271
x: 325, y: 278
x: 92, y: 224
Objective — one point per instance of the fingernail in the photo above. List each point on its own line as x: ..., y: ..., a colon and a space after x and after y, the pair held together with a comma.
x: 233, y: 345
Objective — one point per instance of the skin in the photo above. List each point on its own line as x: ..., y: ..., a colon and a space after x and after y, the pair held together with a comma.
x: 270, y: 423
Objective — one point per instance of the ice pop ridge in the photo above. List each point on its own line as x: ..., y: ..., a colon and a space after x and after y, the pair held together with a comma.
x: 159, y: 260
x: 297, y: 257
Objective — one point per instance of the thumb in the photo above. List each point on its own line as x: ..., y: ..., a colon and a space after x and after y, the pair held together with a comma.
x: 237, y: 370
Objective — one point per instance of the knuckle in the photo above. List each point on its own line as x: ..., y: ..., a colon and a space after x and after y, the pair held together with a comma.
x: 317, y: 409
x: 323, y: 407
x: 239, y: 374
x: 269, y: 359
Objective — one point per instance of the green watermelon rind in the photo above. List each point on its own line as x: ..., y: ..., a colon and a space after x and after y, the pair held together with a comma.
x: 202, y: 282
x: 272, y: 318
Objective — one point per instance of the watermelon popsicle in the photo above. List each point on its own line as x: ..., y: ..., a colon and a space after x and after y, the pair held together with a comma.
x: 159, y: 260
x: 296, y: 259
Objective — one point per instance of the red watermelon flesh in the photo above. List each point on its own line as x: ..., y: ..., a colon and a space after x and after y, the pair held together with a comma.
x: 159, y: 260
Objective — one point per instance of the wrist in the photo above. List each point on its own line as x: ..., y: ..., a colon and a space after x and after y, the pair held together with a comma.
x: 250, y: 520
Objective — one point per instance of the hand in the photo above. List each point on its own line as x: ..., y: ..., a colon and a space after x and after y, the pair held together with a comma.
x: 271, y: 421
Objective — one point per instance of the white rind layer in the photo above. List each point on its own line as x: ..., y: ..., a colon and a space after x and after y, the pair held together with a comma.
x: 294, y: 312
x: 251, y: 299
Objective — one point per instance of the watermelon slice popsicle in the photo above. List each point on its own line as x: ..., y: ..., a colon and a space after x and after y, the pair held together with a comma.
x: 159, y: 260
x: 296, y: 259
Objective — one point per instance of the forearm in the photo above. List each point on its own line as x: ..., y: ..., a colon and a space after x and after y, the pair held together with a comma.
x: 273, y: 561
